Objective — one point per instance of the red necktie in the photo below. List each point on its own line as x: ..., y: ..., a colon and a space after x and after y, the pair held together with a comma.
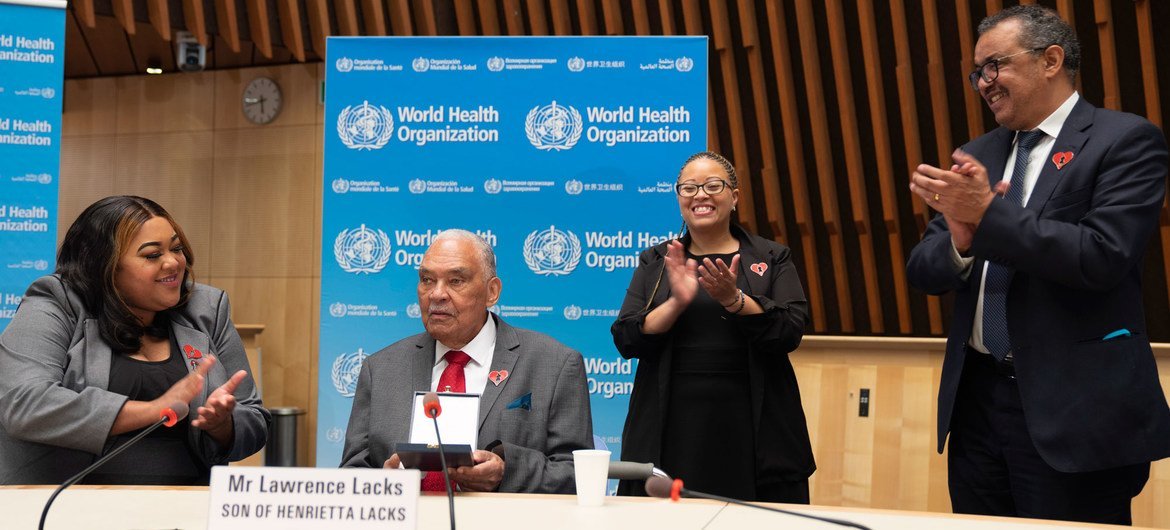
x: 452, y: 380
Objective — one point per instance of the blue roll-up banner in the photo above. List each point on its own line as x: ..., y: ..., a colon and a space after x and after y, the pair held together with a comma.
x: 32, y: 67
x: 561, y: 152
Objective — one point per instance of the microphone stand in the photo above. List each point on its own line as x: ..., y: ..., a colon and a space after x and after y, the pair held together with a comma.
x: 446, y: 474
x: 657, y: 487
x: 75, y: 478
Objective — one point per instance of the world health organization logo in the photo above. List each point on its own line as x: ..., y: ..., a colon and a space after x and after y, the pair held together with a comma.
x: 417, y: 186
x: 552, y: 252
x: 340, y: 185
x: 574, y: 187
x: 337, y: 309
x: 572, y: 312
x: 684, y: 64
x: 420, y: 64
x: 495, y: 64
x: 365, y: 126
x: 553, y: 127
x: 335, y: 435
x: 362, y: 250
x: 45, y: 178
x: 492, y: 186
x: 48, y: 92
x: 575, y: 64
x: 40, y: 264
x: 344, y: 64
x: 346, y: 369
x: 414, y: 311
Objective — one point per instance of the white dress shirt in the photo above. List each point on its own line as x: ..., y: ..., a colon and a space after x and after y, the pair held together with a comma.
x: 481, y: 349
x: 1051, y: 127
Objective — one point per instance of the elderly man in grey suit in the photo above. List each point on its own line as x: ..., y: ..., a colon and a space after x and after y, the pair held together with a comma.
x: 534, y: 409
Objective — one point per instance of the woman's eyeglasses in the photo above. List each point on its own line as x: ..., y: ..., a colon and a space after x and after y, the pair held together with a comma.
x: 711, y: 187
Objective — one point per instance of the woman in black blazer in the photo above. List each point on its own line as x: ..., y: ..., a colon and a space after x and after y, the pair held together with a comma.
x: 119, y: 332
x: 711, y: 318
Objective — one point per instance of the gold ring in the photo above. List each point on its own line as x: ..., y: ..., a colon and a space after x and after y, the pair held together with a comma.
x: 935, y: 197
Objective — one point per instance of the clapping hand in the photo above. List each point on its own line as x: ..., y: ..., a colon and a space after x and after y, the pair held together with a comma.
x: 718, y: 279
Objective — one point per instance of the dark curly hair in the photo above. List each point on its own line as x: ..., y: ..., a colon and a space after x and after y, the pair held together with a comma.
x: 88, y: 258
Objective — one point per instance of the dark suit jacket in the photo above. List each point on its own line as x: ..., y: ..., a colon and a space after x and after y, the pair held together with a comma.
x: 55, y: 411
x: 537, y: 443
x: 783, y: 451
x: 1077, y: 251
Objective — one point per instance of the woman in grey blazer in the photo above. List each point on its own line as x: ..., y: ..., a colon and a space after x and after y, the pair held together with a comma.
x: 117, y: 333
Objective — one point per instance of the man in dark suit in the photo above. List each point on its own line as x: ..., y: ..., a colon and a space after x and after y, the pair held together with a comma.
x: 534, y: 409
x: 1049, y: 388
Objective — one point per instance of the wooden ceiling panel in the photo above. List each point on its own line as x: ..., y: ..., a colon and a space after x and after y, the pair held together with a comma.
x: 109, y: 46
x: 149, y: 48
x: 78, y: 60
x: 227, y: 23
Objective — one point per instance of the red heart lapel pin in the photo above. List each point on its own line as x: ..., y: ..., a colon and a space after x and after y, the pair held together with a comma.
x: 192, y: 352
x: 1062, y: 158
x: 497, y: 376
x: 759, y: 268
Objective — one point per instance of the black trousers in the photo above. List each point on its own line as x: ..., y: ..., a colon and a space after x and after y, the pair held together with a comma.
x: 994, y: 468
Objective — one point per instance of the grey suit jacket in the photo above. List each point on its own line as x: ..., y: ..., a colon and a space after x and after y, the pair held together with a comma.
x: 55, y: 409
x: 537, y: 443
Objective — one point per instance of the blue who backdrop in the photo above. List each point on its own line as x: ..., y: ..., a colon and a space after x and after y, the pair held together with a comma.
x: 32, y: 66
x: 561, y: 152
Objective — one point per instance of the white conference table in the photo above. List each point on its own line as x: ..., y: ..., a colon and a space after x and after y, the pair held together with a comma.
x: 146, y: 508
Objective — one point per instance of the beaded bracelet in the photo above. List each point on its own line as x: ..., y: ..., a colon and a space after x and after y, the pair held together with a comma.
x: 741, y: 304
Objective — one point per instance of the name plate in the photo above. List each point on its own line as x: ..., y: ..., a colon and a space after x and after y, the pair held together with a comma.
x: 293, y: 498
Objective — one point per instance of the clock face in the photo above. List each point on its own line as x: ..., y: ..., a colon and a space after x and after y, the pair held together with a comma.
x: 262, y: 100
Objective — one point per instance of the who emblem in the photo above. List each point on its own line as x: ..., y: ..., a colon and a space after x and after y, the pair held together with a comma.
x: 684, y: 64
x: 572, y: 312
x: 337, y: 309
x: 413, y: 311
x: 420, y: 64
x: 45, y: 178
x: 340, y: 185
x: 552, y: 252
x: 346, y: 369
x: 362, y: 250
x: 417, y: 186
x: 495, y: 64
x: 335, y: 435
x: 344, y: 64
x: 575, y: 64
x: 492, y: 186
x: 365, y: 126
x: 574, y: 187
x: 40, y: 264
x: 553, y: 127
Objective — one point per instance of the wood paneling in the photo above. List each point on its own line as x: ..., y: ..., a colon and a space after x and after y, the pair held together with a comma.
x: 89, y: 107
x: 299, y: 86
x: 164, y: 103
x: 276, y: 239
x: 185, y: 158
x: 87, y: 174
x: 888, y: 459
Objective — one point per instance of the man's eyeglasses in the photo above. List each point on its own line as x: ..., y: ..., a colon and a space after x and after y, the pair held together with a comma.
x: 989, y: 70
x: 711, y: 187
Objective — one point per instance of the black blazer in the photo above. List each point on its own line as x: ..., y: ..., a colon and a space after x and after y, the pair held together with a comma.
x: 1077, y: 249
x: 783, y: 451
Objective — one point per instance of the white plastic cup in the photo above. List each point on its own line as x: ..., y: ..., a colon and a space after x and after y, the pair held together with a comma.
x: 591, y: 467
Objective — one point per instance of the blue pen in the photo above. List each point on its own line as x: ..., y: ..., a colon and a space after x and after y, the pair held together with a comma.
x: 1119, y: 333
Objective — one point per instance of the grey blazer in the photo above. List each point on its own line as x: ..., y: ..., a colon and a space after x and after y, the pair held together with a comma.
x: 55, y: 409
x: 537, y: 442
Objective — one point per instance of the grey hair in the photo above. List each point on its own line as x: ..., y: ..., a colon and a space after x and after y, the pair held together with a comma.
x: 1041, y: 27
x: 718, y: 158
x: 486, y: 254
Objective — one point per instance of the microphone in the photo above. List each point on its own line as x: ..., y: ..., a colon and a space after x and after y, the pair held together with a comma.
x: 169, y: 417
x: 432, y: 409
x: 634, y: 471
x: 664, y: 488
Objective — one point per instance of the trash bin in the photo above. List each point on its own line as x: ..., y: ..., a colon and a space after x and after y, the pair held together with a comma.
x: 281, y: 450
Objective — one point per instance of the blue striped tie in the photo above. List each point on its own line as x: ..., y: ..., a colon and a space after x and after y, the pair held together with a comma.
x: 999, y: 277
